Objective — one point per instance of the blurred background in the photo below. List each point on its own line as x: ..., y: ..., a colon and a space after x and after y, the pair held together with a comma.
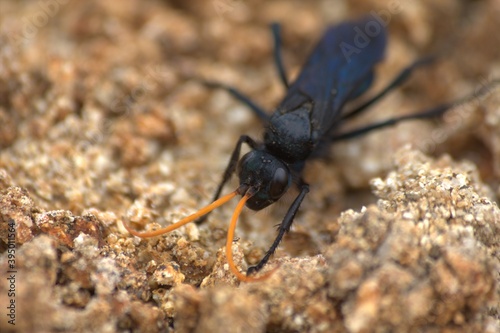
x: 101, y: 110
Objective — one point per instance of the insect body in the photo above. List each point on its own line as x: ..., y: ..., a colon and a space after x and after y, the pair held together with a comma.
x: 305, y: 119
x: 339, y: 69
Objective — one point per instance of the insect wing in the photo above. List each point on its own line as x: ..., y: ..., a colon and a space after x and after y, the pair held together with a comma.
x: 340, y: 68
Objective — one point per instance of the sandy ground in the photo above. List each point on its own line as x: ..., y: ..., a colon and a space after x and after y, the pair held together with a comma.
x: 102, y: 120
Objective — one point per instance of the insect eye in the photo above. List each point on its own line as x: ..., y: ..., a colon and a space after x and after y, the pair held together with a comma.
x: 279, y: 183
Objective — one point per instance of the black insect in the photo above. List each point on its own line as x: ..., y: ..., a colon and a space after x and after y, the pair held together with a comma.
x: 339, y: 70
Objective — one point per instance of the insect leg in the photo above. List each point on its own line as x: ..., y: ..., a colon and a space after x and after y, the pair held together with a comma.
x: 278, y: 59
x: 400, y: 79
x: 233, y: 162
x: 284, y: 227
x: 259, y: 112
x: 430, y: 113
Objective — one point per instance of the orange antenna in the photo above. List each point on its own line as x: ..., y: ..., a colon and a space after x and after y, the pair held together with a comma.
x: 186, y: 220
x: 229, y: 243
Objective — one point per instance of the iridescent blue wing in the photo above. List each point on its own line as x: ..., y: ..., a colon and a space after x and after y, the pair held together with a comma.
x: 339, y: 69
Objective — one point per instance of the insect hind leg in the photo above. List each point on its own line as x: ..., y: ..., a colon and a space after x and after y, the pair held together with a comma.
x: 402, y: 77
x: 434, y: 112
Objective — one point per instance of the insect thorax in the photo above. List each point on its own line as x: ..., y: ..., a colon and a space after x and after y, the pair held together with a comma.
x: 289, y: 135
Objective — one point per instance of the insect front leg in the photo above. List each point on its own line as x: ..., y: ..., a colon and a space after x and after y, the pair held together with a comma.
x: 284, y: 227
x: 231, y: 167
